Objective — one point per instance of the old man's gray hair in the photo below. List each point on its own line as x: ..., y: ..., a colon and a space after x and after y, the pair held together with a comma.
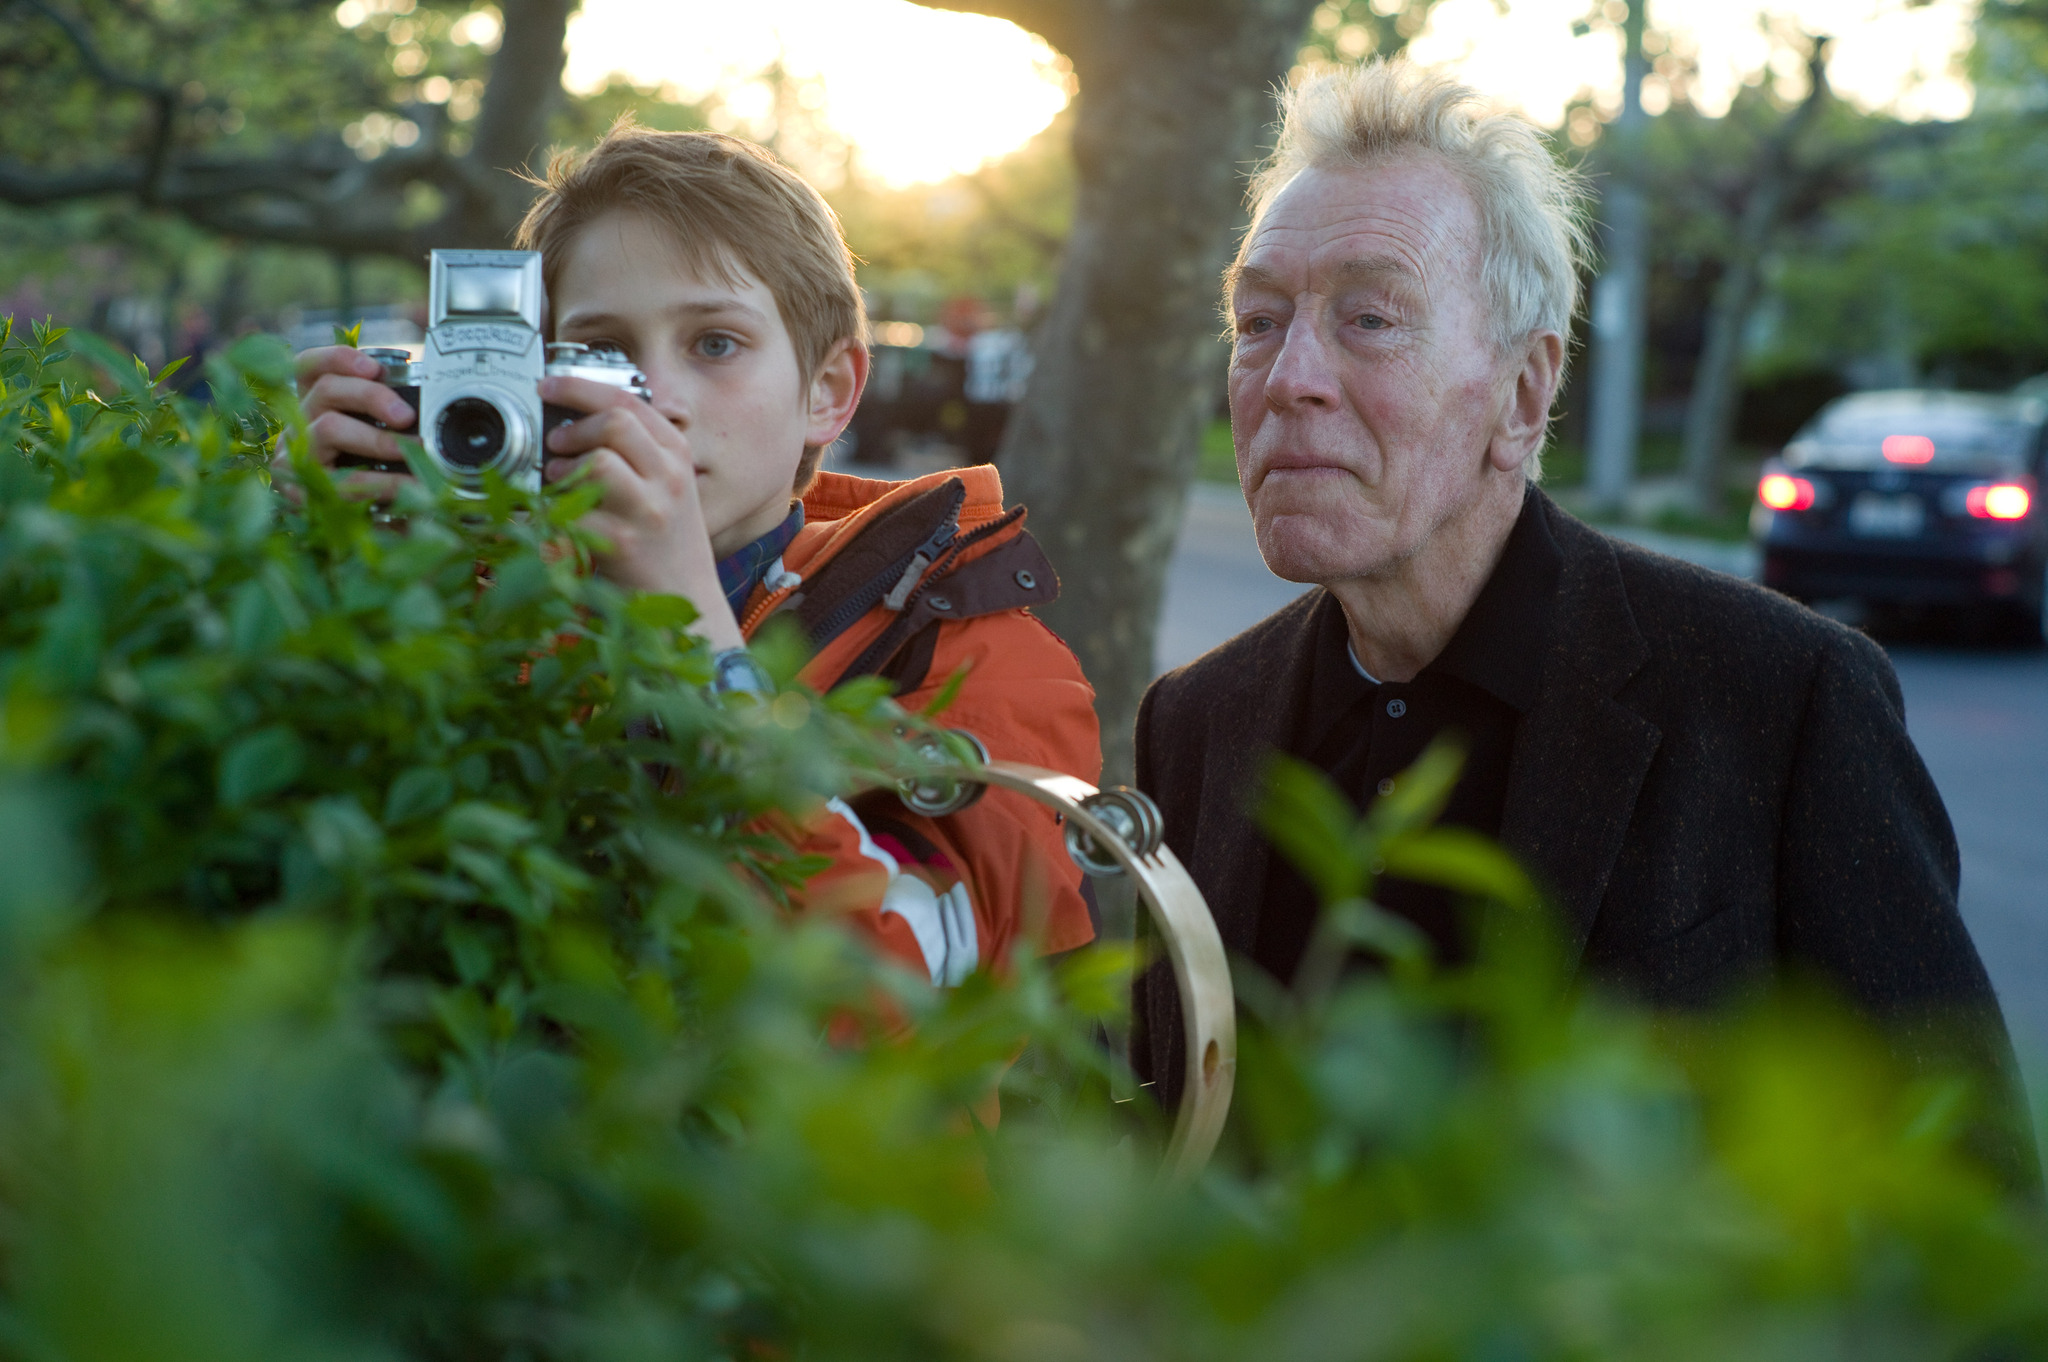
x: 1532, y: 210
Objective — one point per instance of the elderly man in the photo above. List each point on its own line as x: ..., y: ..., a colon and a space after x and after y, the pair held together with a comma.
x: 1714, y: 784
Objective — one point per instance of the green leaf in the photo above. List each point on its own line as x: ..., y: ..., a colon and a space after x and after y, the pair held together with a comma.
x: 515, y: 585
x: 39, y: 895
x: 349, y: 335
x: 471, y: 951
x: 1365, y: 924
x: 259, y: 765
x: 254, y: 624
x: 490, y: 824
x: 432, y: 478
x: 264, y: 361
x: 942, y: 699
x: 658, y: 610
x: 1421, y: 791
x: 342, y: 835
x: 417, y: 793
x: 1311, y: 823
x: 417, y: 610
x: 1461, y: 860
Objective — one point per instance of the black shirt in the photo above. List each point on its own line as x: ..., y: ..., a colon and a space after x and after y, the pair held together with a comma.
x: 1362, y: 734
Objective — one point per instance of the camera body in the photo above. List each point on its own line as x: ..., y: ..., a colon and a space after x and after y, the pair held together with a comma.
x: 477, y: 388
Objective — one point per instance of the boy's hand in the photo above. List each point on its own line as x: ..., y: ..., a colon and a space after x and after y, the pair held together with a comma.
x: 650, y: 512
x: 338, y: 386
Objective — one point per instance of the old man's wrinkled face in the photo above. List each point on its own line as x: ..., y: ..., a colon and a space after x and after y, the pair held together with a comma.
x: 1367, y: 395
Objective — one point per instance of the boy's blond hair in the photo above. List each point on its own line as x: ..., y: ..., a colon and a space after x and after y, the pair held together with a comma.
x: 725, y: 202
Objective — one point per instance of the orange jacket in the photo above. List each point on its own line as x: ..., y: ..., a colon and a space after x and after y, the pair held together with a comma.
x: 914, y: 581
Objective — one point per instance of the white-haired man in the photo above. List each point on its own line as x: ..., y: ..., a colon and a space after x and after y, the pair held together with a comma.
x: 1714, y: 784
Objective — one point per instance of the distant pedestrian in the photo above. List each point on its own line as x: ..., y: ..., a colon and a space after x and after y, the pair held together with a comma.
x: 1715, y: 784
x: 998, y: 367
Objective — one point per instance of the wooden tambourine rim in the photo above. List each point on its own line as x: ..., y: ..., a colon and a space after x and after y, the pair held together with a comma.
x: 1207, y: 1005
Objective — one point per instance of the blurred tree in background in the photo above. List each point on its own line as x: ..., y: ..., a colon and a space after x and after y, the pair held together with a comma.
x: 1936, y: 269
x: 381, y: 127
x: 983, y: 235
x: 1802, y: 247
x: 366, y: 992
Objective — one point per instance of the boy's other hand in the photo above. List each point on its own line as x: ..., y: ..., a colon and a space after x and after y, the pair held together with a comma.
x: 650, y: 511
x: 338, y: 386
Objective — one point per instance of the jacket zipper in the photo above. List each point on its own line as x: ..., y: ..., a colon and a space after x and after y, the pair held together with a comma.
x: 868, y: 662
x: 954, y: 550
x: 894, y: 584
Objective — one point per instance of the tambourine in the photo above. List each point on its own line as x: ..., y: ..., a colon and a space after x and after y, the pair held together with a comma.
x: 1119, y: 831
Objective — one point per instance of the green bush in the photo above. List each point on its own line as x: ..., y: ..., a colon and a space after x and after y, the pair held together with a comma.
x: 393, y: 968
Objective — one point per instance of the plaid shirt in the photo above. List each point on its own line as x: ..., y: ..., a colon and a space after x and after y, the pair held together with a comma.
x: 742, y: 572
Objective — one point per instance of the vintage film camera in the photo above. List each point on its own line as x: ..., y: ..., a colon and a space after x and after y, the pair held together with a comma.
x: 477, y: 388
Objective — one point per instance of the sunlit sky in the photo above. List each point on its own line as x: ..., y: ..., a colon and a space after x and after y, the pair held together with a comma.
x: 922, y: 94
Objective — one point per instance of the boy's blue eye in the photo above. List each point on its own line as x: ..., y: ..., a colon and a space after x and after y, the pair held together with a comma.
x: 717, y: 347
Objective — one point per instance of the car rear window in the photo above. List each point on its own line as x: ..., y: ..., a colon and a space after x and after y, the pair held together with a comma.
x: 1910, y: 436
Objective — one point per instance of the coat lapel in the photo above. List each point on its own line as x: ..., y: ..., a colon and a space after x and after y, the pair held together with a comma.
x: 1247, y: 725
x: 1580, y: 755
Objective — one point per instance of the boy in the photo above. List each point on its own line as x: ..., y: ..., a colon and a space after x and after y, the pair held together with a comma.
x: 726, y: 280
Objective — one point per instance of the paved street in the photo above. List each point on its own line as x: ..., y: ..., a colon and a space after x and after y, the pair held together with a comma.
x: 1979, y: 715
x: 1218, y: 584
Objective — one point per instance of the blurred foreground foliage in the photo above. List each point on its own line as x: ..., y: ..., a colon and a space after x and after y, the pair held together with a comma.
x: 363, y: 995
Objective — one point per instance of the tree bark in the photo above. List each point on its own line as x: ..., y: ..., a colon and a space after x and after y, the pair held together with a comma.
x: 1174, y: 107
x: 523, y: 92
x: 1710, y: 411
x: 1621, y: 310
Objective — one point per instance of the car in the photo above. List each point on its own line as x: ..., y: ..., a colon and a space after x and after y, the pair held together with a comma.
x: 1912, y: 498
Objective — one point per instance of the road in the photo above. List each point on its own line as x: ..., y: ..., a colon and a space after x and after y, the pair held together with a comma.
x: 1218, y: 585
x: 1980, y: 717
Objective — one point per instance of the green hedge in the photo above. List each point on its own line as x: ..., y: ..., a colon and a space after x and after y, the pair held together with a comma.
x: 390, y: 970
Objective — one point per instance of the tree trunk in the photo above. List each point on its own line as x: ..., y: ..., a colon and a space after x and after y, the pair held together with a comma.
x: 1710, y: 411
x: 1175, y: 105
x: 524, y: 90
x: 1620, y: 312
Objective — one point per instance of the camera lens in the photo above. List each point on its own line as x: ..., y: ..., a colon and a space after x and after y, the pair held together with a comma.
x: 470, y: 433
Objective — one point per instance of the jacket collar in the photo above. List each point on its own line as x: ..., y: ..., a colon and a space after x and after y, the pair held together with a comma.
x: 1580, y: 753
x: 837, y: 507
x: 1271, y: 669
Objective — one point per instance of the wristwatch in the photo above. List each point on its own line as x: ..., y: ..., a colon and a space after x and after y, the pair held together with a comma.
x: 735, y: 672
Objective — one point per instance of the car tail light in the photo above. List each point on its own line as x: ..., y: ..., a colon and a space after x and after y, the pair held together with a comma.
x: 1783, y: 492
x: 1999, y: 501
x: 1908, y: 449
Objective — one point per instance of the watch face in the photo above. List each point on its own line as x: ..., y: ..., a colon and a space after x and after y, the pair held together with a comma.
x: 736, y: 670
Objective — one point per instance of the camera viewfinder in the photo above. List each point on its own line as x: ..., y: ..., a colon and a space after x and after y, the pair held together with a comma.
x: 484, y: 291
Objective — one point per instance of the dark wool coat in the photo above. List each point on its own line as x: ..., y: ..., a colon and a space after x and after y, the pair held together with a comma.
x: 1715, y: 785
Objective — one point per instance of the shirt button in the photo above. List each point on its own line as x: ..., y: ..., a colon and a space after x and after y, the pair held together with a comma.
x: 1396, y: 708
x: 1386, y: 785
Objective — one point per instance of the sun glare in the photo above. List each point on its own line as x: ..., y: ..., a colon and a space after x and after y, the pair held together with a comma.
x: 919, y: 94
x: 1892, y: 55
